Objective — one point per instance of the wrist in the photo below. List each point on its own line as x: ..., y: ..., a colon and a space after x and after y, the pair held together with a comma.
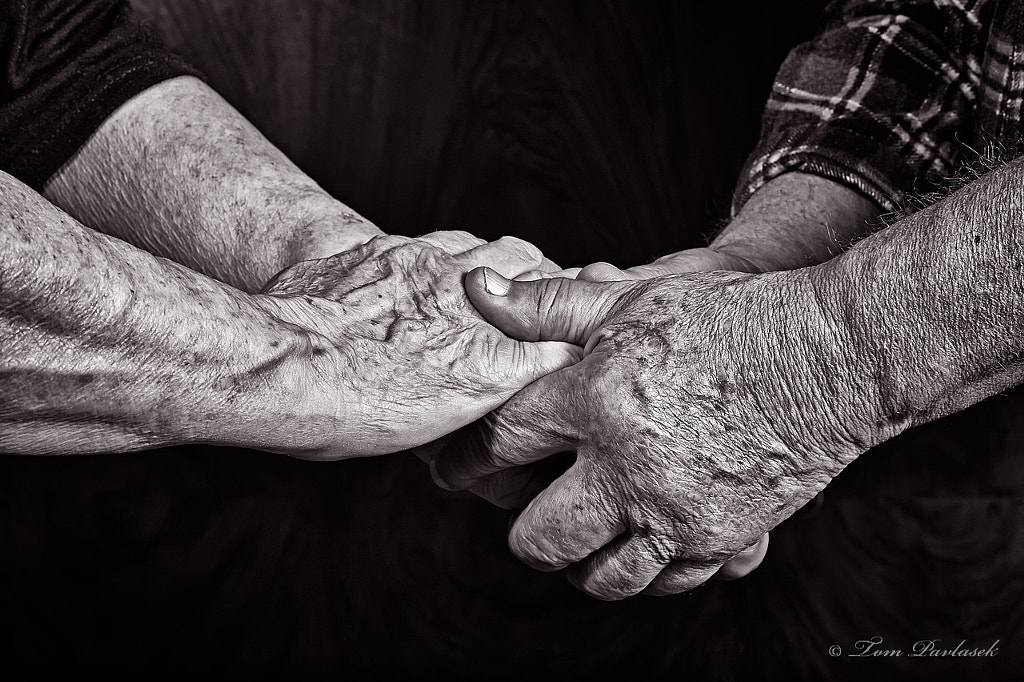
x: 276, y: 404
x: 798, y: 220
x: 748, y: 245
x: 741, y: 256
x: 799, y: 361
x: 237, y: 381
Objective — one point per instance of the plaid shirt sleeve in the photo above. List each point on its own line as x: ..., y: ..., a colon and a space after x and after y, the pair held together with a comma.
x: 877, y: 101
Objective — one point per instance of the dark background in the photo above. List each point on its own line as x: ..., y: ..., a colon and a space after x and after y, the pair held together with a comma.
x: 599, y: 131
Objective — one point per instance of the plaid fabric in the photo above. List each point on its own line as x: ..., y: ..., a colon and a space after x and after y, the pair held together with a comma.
x: 891, y: 94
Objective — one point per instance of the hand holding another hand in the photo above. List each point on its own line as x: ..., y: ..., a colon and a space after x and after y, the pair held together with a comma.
x: 697, y: 415
x: 393, y: 354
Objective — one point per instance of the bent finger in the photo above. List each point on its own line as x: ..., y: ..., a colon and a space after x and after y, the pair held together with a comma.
x: 509, y: 256
x: 622, y: 569
x: 538, y: 421
x: 453, y: 241
x: 514, y: 488
x: 679, y: 577
x: 683, y: 576
x: 564, y: 524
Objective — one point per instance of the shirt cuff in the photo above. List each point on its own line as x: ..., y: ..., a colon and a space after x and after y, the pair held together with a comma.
x: 838, y: 154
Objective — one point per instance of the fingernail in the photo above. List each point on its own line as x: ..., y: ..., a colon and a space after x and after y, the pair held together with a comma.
x: 495, y: 283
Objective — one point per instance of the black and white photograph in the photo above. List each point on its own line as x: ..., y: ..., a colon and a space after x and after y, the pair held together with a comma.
x: 512, y: 340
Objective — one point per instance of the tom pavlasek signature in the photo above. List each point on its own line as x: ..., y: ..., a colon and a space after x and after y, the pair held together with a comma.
x: 922, y: 648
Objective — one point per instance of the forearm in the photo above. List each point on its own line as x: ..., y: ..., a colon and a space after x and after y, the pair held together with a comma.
x: 931, y: 310
x: 179, y: 172
x: 107, y: 348
x: 797, y: 220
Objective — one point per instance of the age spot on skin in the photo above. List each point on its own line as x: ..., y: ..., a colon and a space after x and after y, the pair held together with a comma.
x: 639, y: 392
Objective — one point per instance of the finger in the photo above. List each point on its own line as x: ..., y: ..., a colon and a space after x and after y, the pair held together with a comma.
x: 509, y: 256
x: 744, y: 562
x: 531, y: 276
x: 679, y: 577
x: 683, y: 576
x: 659, y: 269
x: 568, y: 273
x: 556, y: 309
x: 514, y: 488
x: 563, y: 524
x: 538, y: 421
x: 603, y: 272
x: 453, y: 241
x: 306, y: 276
x: 505, y: 370
x: 624, y: 568
x: 691, y: 260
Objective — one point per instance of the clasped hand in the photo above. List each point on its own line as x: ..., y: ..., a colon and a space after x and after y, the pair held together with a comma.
x: 392, y: 354
x: 695, y: 419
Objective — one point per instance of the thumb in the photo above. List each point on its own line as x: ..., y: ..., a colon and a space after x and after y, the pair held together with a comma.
x: 555, y: 309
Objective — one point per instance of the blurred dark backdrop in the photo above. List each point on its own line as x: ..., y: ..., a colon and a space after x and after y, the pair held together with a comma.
x: 599, y: 131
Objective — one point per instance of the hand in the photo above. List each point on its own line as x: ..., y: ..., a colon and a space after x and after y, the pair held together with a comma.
x: 693, y: 435
x: 396, y: 354
x: 515, y: 487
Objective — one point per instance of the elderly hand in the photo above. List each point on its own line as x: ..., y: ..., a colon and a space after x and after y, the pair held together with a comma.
x: 515, y: 487
x: 397, y: 356
x: 699, y: 417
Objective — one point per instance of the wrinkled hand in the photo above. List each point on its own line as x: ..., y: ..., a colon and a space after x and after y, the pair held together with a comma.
x: 514, y: 488
x: 694, y: 436
x: 396, y: 354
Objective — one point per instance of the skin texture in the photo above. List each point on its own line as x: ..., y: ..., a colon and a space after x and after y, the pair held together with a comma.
x: 180, y: 173
x: 673, y: 417
x: 403, y: 356
x: 793, y: 221
x: 111, y: 349
x: 711, y: 406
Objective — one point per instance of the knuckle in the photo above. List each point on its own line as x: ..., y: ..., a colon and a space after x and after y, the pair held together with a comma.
x: 608, y: 583
x: 658, y: 542
x: 534, y: 545
x: 680, y: 578
x: 521, y: 248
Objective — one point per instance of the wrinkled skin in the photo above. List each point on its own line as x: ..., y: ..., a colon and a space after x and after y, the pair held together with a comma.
x: 696, y: 430
x: 399, y: 355
x: 514, y: 489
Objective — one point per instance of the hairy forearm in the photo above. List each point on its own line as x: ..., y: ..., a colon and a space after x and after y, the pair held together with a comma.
x: 797, y: 220
x: 179, y: 172
x: 931, y: 310
x: 107, y: 348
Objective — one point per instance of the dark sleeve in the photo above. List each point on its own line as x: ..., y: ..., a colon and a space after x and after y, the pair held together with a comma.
x: 68, y: 64
x: 878, y: 101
